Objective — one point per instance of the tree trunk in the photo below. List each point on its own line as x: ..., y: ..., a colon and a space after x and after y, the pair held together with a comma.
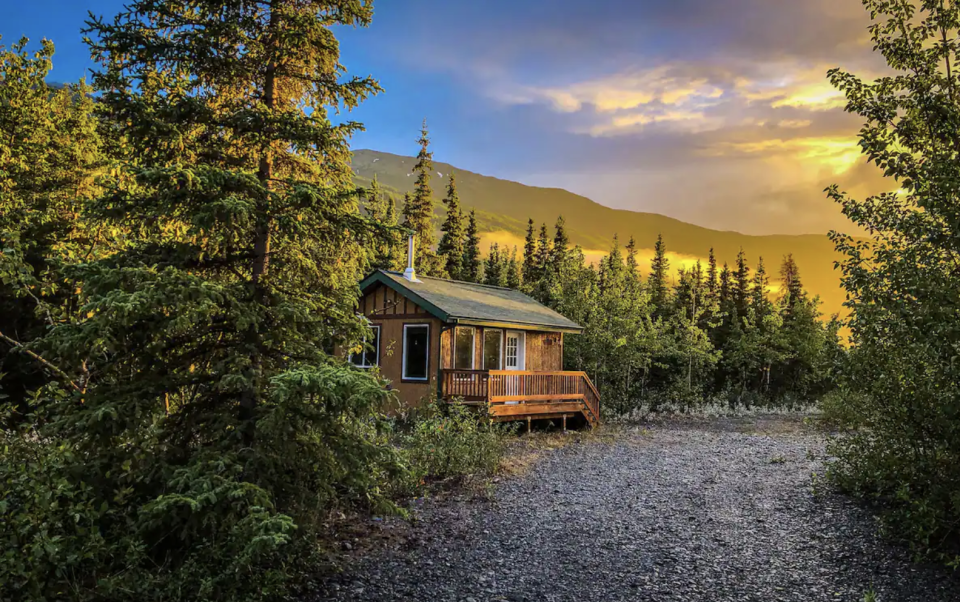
x: 261, y: 248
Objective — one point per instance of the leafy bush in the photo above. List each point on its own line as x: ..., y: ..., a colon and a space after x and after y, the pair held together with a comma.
x: 902, y: 284
x: 451, y: 440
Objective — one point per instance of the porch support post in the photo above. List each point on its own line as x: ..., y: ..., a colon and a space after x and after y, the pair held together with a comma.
x: 529, y: 420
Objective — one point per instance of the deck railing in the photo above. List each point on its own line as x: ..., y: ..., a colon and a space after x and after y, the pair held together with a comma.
x: 471, y: 385
x: 522, y: 386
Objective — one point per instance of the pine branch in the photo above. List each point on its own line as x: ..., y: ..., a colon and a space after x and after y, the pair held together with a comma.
x: 19, y: 346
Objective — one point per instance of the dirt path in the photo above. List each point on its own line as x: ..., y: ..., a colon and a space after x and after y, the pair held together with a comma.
x: 721, y: 510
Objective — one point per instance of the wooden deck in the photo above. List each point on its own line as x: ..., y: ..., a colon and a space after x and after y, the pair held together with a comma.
x: 526, y: 395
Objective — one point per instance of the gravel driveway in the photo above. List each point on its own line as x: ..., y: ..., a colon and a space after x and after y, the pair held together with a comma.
x: 713, y: 510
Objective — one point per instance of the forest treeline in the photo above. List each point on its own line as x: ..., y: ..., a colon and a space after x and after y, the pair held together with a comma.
x: 181, y: 245
x: 732, y: 336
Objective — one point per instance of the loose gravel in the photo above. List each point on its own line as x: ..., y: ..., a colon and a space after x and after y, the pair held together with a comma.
x: 720, y: 510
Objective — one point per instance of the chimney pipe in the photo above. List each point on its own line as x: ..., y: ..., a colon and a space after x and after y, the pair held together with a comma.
x: 410, y: 273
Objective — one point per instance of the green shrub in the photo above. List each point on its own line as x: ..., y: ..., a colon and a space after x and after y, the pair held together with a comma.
x: 452, y: 440
x: 142, y: 520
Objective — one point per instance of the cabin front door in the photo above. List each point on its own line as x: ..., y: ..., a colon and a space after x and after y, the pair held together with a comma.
x: 513, y: 359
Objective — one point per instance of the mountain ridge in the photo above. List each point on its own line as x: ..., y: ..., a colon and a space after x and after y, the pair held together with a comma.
x: 504, y: 206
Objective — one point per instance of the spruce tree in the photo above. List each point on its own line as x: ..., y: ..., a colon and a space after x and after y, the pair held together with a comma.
x: 759, y: 300
x: 472, y: 260
x: 50, y: 155
x: 727, y: 303
x: 418, y: 211
x: 633, y: 268
x: 514, y: 272
x: 549, y: 288
x: 382, y: 248
x: 392, y: 257
x: 376, y: 204
x: 531, y: 272
x: 791, y: 287
x: 657, y: 283
x: 198, y: 378
x: 712, y: 282
x: 450, y: 248
x: 560, y: 253
x: 493, y: 272
x: 544, y: 249
x: 741, y: 285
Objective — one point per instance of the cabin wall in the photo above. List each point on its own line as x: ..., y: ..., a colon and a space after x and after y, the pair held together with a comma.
x: 409, y: 393
x: 544, y: 351
x: 388, y: 309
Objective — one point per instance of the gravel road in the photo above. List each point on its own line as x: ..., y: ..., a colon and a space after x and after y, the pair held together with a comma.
x: 720, y: 510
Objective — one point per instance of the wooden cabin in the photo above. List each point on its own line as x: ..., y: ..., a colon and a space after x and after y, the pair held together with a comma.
x: 473, y: 343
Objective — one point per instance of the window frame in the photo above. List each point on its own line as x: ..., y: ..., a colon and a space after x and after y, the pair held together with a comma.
x: 403, y: 366
x: 500, y: 358
x: 473, y: 347
x: 365, y: 352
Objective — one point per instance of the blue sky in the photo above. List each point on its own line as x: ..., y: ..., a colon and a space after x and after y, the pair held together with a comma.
x: 717, y: 113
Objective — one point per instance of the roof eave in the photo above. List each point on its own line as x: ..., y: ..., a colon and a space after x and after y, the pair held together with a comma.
x: 515, y: 325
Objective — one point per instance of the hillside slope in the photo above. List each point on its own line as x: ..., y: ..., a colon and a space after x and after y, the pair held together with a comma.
x: 505, y: 206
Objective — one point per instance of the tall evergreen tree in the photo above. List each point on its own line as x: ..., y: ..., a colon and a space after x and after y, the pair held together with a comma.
x: 50, y: 155
x: 493, y: 267
x: 531, y: 273
x: 514, y: 273
x: 450, y: 248
x: 376, y: 205
x: 198, y: 371
x: 392, y: 255
x: 727, y: 303
x: 418, y: 211
x: 544, y: 249
x: 759, y: 299
x: 741, y: 285
x: 383, y: 251
x: 712, y: 282
x: 791, y: 287
x: 560, y: 253
x: 657, y: 283
x: 633, y: 268
x: 472, y: 259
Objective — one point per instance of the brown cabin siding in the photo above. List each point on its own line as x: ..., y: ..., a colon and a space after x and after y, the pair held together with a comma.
x: 391, y: 359
x: 544, y: 351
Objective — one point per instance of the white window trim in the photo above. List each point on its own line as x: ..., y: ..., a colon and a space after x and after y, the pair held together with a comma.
x: 364, y: 352
x: 403, y: 371
x: 473, y: 348
x: 500, y: 356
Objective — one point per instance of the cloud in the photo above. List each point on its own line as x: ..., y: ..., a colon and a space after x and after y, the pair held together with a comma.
x: 839, y: 154
x: 717, y: 113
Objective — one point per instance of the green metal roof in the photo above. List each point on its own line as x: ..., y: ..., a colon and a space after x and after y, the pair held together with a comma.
x: 479, y: 304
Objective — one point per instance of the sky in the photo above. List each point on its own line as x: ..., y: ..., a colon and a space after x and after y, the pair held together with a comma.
x: 714, y: 112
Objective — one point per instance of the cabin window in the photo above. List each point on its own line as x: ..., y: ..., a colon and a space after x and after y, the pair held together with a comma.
x: 369, y: 356
x: 492, y: 349
x: 416, y: 351
x: 464, y: 348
